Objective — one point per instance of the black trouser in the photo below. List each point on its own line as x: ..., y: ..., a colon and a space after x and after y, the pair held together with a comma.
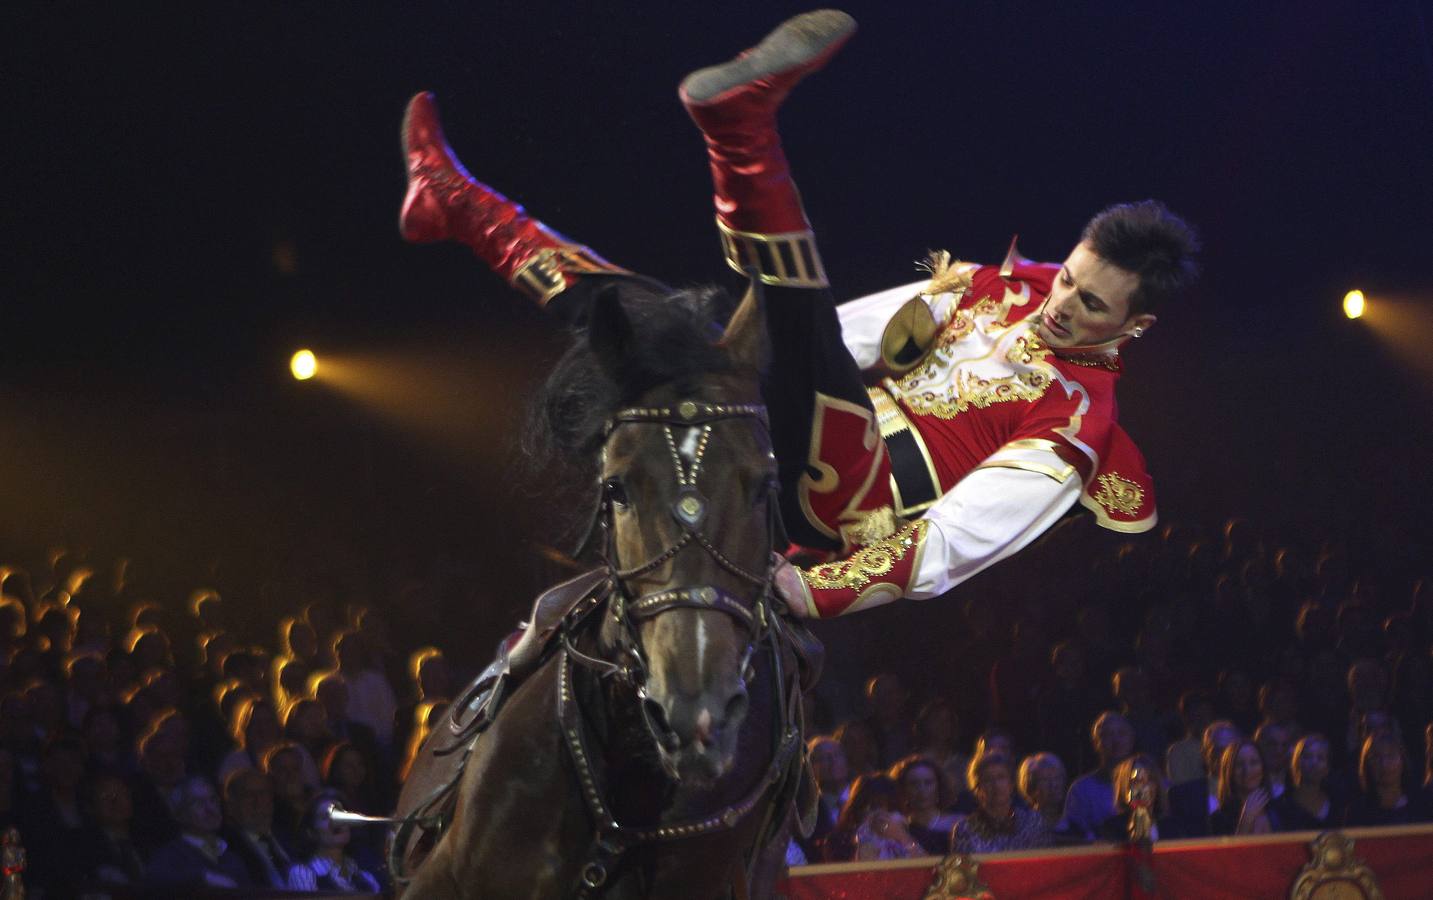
x: 807, y: 357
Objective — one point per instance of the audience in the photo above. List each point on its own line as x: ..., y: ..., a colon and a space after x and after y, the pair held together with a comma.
x: 1042, y: 785
x: 1307, y: 806
x: 121, y: 707
x: 919, y: 781
x: 1091, y: 799
x: 1383, y: 798
x: 249, y: 828
x: 324, y: 864
x: 1244, y: 793
x: 870, y: 826
x: 198, y: 857
x: 997, y: 823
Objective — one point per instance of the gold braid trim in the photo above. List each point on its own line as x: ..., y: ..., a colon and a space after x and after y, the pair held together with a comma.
x: 947, y: 276
x: 870, y: 562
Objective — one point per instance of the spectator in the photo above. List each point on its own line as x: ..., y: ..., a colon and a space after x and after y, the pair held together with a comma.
x: 1367, y: 692
x: 1383, y: 799
x: 104, y: 740
x: 1066, y: 707
x: 919, y: 781
x: 936, y: 737
x: 198, y: 858
x: 348, y: 769
x: 254, y: 726
x: 323, y: 863
x: 1307, y: 806
x: 1275, y: 740
x: 1237, y: 701
x: 886, y: 700
x: 1043, y: 781
x: 284, y: 763
x: 105, y: 851
x: 828, y: 766
x: 331, y: 690
x: 859, y: 745
x: 1134, y: 693
x: 1184, y: 760
x: 1244, y: 795
x: 1091, y: 799
x: 159, y: 789
x: 997, y: 824
x: 372, y: 701
x: 431, y: 679
x: 249, y: 827
x: 54, y: 819
x: 1140, y: 767
x: 306, y: 725
x: 870, y: 827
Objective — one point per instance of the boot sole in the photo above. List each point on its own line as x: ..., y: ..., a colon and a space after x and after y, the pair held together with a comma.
x: 796, y: 42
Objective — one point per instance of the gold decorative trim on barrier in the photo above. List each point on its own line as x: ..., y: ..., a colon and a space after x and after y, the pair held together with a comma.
x: 1335, y: 873
x: 958, y: 877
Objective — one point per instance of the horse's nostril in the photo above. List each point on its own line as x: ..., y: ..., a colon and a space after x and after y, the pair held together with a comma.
x: 658, y: 715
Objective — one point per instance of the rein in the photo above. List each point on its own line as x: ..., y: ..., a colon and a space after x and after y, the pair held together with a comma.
x: 613, y: 840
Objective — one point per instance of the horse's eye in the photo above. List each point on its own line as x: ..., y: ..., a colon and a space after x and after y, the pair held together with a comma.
x: 616, y: 491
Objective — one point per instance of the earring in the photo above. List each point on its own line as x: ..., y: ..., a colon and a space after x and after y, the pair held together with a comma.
x: 1138, y: 331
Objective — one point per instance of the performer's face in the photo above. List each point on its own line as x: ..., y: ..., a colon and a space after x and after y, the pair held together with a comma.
x: 1089, y: 302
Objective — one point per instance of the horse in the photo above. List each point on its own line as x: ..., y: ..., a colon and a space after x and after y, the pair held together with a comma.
x: 643, y: 739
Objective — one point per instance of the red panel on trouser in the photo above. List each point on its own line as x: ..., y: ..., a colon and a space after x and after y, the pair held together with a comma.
x: 854, y: 472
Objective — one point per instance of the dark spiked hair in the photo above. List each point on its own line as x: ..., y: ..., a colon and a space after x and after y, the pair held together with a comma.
x: 1147, y: 239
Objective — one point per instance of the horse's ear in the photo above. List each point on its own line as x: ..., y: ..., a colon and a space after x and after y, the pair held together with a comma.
x: 745, y: 336
x: 609, y: 331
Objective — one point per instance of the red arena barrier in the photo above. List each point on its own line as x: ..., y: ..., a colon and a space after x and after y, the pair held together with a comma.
x: 1358, y: 863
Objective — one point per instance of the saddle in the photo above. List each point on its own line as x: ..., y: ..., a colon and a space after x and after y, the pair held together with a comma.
x: 430, y: 789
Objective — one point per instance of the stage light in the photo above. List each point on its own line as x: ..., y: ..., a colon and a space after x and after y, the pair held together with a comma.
x: 1353, y: 304
x: 304, y: 365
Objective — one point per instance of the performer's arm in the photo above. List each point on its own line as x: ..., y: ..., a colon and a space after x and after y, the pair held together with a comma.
x: 991, y: 514
x: 864, y: 320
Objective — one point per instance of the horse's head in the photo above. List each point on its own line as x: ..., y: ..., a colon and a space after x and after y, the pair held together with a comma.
x: 688, y: 480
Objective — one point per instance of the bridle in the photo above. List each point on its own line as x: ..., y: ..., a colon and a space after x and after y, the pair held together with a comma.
x: 689, y: 509
x: 612, y: 840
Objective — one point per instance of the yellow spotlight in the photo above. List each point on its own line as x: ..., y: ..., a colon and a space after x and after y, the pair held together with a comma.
x: 304, y: 365
x: 1353, y: 304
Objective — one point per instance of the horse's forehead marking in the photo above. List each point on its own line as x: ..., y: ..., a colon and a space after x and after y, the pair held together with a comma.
x: 688, y: 448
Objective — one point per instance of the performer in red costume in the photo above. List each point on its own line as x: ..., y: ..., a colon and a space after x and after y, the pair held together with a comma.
x: 922, y: 433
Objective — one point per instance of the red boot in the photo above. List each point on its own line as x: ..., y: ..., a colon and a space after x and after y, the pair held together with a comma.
x: 734, y: 104
x: 445, y: 203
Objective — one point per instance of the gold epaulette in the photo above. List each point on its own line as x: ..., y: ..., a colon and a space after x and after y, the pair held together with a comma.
x: 783, y: 260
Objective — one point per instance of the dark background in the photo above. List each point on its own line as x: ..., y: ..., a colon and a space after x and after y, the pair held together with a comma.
x: 193, y: 192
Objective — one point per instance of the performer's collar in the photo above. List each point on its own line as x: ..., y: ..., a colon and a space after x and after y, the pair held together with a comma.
x: 1105, y: 355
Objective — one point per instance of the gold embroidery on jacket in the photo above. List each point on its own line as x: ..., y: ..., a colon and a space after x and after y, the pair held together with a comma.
x: 945, y: 385
x: 868, y: 563
x: 1119, y: 495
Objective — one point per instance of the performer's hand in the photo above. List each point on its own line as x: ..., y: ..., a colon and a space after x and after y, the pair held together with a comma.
x: 787, y: 581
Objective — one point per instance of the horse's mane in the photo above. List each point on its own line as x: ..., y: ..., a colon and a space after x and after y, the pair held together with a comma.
x: 674, y: 340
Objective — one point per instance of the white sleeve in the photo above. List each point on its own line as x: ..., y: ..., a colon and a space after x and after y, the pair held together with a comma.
x: 864, y: 320
x: 990, y: 515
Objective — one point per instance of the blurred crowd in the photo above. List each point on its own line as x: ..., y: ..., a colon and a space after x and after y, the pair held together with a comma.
x: 1267, y: 688
x: 146, y: 747
x: 152, y: 743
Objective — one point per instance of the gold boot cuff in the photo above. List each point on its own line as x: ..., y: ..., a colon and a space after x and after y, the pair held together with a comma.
x: 785, y: 260
x: 552, y: 270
